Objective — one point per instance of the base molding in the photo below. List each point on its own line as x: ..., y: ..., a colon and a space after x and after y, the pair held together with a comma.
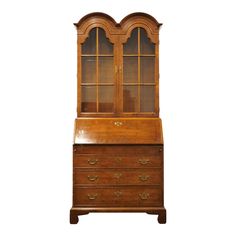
x: 76, y: 211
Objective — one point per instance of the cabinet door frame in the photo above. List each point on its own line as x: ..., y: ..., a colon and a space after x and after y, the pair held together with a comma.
x: 128, y: 29
x: 117, y: 34
x: 81, y: 39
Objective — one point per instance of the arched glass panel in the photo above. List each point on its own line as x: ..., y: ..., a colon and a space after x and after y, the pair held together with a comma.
x: 139, y: 73
x: 97, y: 73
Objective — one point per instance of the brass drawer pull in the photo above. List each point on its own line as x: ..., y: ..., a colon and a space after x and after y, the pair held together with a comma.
x: 143, y: 161
x: 144, y: 177
x: 144, y: 196
x: 92, y: 161
x: 92, y: 177
x: 92, y: 196
x: 118, y: 123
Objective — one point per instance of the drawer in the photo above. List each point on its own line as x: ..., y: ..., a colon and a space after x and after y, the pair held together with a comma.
x: 130, y: 150
x: 117, y: 160
x: 118, y: 176
x: 118, y: 157
x: 120, y: 196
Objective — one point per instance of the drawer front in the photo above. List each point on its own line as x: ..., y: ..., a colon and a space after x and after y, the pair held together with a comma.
x: 116, y: 161
x: 117, y: 176
x: 129, y: 150
x: 118, y: 131
x: 119, y: 196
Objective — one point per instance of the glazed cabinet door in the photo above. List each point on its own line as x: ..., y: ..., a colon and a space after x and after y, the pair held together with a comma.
x: 118, y: 70
x: 139, y: 82
x: 97, y: 85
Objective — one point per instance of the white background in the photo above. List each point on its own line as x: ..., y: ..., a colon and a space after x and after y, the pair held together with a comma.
x: 38, y: 107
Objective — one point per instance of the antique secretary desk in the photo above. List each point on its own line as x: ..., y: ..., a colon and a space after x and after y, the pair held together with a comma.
x: 118, y: 142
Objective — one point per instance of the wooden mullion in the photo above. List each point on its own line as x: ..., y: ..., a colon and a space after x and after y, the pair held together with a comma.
x: 94, y: 55
x: 139, y: 98
x: 143, y: 55
x: 146, y: 84
x: 94, y: 84
x: 97, y: 69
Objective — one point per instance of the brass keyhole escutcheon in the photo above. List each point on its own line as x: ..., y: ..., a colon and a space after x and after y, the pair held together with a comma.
x: 144, y: 196
x: 118, y: 123
x: 117, y: 175
x: 143, y: 161
x: 144, y: 177
x: 118, y: 193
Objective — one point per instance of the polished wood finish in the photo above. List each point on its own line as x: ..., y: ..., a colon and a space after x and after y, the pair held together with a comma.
x: 117, y: 176
x: 121, y: 131
x: 118, y: 196
x: 118, y: 152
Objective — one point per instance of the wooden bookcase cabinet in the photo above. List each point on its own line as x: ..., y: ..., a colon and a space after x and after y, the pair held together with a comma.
x: 118, y: 142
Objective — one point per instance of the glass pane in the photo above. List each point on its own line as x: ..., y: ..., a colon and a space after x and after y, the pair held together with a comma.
x: 131, y: 47
x: 147, y: 69
x: 105, y: 47
x: 146, y: 46
x: 88, y: 69
x: 106, y: 69
x: 89, y: 46
x: 106, y: 98
x: 130, y: 99
x: 147, y: 95
x: 88, y: 101
x: 130, y: 67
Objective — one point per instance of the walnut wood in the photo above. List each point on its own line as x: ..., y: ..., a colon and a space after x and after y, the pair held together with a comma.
x: 118, y: 156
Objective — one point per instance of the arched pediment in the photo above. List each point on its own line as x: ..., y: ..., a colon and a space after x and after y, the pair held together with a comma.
x: 111, y: 27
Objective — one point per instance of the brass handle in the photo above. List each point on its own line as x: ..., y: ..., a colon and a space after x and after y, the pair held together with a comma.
x: 92, y: 196
x: 143, y: 161
x: 118, y: 123
x: 92, y: 161
x: 144, y: 196
x: 144, y: 177
x: 92, y: 177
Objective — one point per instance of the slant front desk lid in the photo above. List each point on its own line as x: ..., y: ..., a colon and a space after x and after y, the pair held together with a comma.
x: 118, y: 131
